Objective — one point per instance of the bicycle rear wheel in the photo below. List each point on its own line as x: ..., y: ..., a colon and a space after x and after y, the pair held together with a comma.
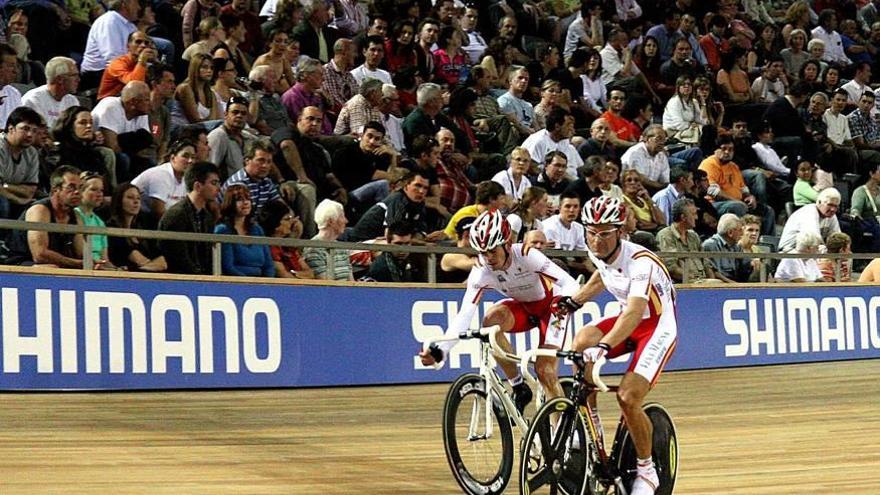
x: 554, y: 458
x: 481, y: 463
x: 664, y: 450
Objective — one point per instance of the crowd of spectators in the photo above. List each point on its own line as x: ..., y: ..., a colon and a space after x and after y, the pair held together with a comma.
x: 724, y: 125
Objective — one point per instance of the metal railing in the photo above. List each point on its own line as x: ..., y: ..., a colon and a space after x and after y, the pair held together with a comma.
x: 432, y: 251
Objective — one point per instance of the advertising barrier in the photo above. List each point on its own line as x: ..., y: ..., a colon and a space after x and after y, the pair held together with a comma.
x: 65, y: 332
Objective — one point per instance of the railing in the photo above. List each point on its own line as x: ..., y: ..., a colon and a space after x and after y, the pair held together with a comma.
x: 331, y: 246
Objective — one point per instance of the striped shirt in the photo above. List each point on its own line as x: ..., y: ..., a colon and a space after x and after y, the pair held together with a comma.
x: 262, y: 190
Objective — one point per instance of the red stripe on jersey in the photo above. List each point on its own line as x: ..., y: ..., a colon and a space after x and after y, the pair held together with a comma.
x: 479, y: 295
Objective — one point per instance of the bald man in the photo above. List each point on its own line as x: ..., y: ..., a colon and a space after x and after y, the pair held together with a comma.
x: 124, y: 119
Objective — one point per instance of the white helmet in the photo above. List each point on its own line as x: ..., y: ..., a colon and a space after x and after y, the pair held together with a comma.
x: 489, y: 230
x: 604, y: 210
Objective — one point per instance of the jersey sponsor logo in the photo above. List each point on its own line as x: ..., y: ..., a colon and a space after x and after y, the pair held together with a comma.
x: 126, y: 333
x: 766, y: 327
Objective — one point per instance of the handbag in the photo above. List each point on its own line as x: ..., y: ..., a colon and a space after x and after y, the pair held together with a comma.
x: 691, y: 135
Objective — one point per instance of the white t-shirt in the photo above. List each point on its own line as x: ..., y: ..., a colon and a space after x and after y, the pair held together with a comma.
x: 790, y: 269
x: 361, y: 73
x: 46, y: 105
x: 159, y: 182
x: 11, y: 99
x: 109, y: 114
x: 655, y: 168
x: 540, y: 143
x: 505, y: 178
x: 838, y: 127
x: 569, y: 238
x: 806, y: 218
x: 516, y: 226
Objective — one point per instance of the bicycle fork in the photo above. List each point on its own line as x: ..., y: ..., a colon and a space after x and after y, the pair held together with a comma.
x: 603, y: 459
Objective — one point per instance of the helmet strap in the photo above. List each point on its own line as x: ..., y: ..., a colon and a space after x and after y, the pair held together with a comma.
x: 604, y: 259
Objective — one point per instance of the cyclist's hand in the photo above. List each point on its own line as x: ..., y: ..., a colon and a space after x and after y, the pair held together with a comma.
x: 431, y: 356
x: 593, y: 354
x: 563, y: 305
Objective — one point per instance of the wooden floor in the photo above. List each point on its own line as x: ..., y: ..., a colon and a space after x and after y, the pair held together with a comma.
x: 783, y: 430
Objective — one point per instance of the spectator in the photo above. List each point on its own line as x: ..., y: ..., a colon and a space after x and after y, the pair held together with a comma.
x: 160, y: 78
x: 331, y: 221
x: 490, y: 196
x: 397, y: 266
x: 733, y: 78
x: 10, y: 97
x: 556, y: 137
x: 751, y: 232
x: 804, y: 191
x: 390, y: 109
x: 819, y: 219
x: 711, y: 110
x: 595, y: 94
x: 271, y: 114
x: 279, y: 221
x: 429, y: 29
x: 790, y: 135
x: 241, y: 11
x: 339, y: 85
x: 679, y: 237
x: 871, y: 273
x: 864, y: 209
x: 108, y: 38
x: 860, y: 83
x: 19, y: 162
x: 512, y: 102
x: 454, y: 267
x: 728, y: 188
x: 623, y: 135
x: 49, y: 100
x: 681, y: 182
x: 276, y: 57
x: 400, y: 51
x: 373, y: 53
x: 360, y: 109
x: 194, y: 101
x: 837, y: 243
x: 363, y: 166
x: 35, y: 247
x: 242, y: 260
x: 191, y: 215
x: 586, y: 186
x: 864, y: 128
x: 649, y: 158
x: 163, y: 185
x: 714, y: 44
x: 564, y: 232
x: 91, y: 192
x: 476, y: 43
x: 826, y: 31
x: 449, y: 58
x: 553, y: 178
x: 858, y: 161
x: 212, y: 36
x: 315, y: 36
x: 306, y: 93
x: 407, y: 203
x: 427, y: 119
x: 130, y: 252
x: 726, y: 240
x: 514, y: 180
x: 801, y: 270
x: 682, y: 118
x: 599, y: 142
x: 193, y: 12
x: 769, y: 172
x: 795, y: 55
x: 129, y: 67
x: 681, y: 64
x: 74, y: 136
x: 649, y: 217
x: 258, y: 165
x: 618, y: 69
x: 770, y: 86
x: 451, y: 168
x: 528, y: 213
x: 586, y: 29
x: 608, y: 176
x: 535, y: 239
x: 378, y: 26
x: 229, y: 141
x: 647, y: 59
x: 667, y: 33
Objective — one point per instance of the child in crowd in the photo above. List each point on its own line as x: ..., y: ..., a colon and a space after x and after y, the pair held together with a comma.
x: 805, y: 192
x: 840, y: 243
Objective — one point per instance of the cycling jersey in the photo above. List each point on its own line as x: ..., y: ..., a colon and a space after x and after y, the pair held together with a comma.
x: 530, y: 282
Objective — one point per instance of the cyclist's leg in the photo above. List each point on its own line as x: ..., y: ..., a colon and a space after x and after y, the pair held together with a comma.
x: 631, y: 397
x: 547, y: 370
x: 502, y: 315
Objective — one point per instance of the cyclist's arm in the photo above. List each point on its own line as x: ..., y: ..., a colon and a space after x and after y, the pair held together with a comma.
x: 540, y: 263
x: 627, y: 321
x: 469, y: 303
x: 590, y: 290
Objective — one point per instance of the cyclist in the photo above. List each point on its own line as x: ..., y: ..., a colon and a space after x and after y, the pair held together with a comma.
x: 532, y: 284
x: 646, y: 325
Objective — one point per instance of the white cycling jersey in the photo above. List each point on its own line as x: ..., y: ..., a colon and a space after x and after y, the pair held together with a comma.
x: 638, y: 272
x: 529, y: 278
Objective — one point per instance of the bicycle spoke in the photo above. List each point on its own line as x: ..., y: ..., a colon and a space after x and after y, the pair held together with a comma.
x: 541, y: 478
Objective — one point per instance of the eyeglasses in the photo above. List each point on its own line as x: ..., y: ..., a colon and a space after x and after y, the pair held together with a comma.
x: 603, y: 235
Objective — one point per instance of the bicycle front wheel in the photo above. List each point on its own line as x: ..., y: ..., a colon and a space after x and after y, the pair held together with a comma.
x: 555, y: 456
x: 664, y: 450
x: 479, y: 451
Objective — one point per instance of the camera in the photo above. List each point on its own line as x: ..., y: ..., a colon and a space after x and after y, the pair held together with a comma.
x: 249, y: 84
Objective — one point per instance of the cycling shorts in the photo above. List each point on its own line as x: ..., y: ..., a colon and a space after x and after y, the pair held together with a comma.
x: 528, y: 315
x: 652, y: 344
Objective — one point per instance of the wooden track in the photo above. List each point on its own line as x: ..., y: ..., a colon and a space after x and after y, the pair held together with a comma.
x: 800, y: 429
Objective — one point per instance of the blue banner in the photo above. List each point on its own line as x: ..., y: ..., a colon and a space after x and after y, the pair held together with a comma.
x: 109, y: 333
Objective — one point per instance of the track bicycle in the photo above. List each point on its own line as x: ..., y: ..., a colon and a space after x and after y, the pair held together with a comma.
x: 564, y: 451
x: 479, y: 439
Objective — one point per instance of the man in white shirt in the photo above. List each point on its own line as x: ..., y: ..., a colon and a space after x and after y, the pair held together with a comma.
x: 770, y: 86
x: 390, y: 108
x: 563, y: 231
x: 586, y: 29
x: 127, y: 114
x: 838, y: 125
x: 859, y: 83
x: 819, y: 218
x: 108, y: 38
x: 374, y: 52
x: 833, y: 44
x: 476, y: 44
x: 556, y: 137
x: 52, y: 98
x: 10, y: 98
x: 649, y: 158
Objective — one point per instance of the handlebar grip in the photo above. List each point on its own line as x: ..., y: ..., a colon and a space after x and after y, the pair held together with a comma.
x: 595, y: 375
x: 530, y: 356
